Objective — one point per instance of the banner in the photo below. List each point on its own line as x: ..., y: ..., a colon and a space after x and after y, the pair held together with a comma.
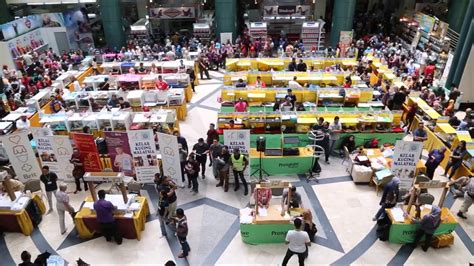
x: 405, y: 157
x: 78, y: 29
x: 62, y: 148
x: 287, y: 10
x: 21, y: 156
x: 345, y: 40
x: 119, y: 152
x: 142, y: 146
x: 170, y: 156
x: 88, y: 150
x: 45, y: 149
x: 239, y: 138
x: 22, y: 25
x: 172, y: 12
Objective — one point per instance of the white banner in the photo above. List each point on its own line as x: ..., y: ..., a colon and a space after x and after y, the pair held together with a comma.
x: 405, y: 157
x: 62, y: 148
x: 45, y: 149
x: 142, y: 146
x: 170, y: 156
x: 21, y: 156
x: 239, y: 138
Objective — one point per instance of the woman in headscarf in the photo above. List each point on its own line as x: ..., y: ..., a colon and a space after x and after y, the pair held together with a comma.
x: 428, y: 225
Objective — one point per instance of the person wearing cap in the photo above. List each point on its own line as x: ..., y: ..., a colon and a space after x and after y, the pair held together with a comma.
x: 241, y: 106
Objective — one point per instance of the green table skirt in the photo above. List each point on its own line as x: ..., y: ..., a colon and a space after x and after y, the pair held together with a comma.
x: 256, y: 109
x: 273, y: 141
x: 405, y: 233
x: 288, y: 165
x: 264, y: 233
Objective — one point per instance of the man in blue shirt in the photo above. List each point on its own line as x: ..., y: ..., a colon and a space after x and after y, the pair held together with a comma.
x: 104, y: 210
x: 420, y: 134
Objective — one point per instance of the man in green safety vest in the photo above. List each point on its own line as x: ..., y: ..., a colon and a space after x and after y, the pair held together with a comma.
x: 239, y: 164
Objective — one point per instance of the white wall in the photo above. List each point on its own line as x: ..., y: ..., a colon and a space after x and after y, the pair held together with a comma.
x: 6, y: 56
x: 48, y: 35
x: 467, y: 79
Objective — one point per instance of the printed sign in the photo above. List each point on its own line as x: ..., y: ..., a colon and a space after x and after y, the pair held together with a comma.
x: 62, y: 148
x: 45, y: 149
x: 142, y: 146
x: 287, y: 10
x: 88, y: 150
x: 21, y: 156
x: 239, y: 138
x: 170, y: 156
x: 172, y: 12
x: 405, y: 157
x: 119, y: 152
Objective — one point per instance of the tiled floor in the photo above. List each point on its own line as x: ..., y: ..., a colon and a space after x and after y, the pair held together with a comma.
x: 342, y: 210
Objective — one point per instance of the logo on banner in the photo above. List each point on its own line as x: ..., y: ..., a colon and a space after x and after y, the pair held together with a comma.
x: 21, y: 156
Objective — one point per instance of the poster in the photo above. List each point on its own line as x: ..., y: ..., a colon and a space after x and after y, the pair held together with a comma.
x: 172, y: 12
x: 143, y: 148
x: 20, y: 26
x: 405, y: 157
x: 119, y: 152
x: 21, y: 155
x: 239, y: 138
x: 45, y: 149
x: 345, y: 40
x: 62, y: 148
x: 88, y: 150
x: 170, y: 156
x: 287, y: 10
x: 78, y: 29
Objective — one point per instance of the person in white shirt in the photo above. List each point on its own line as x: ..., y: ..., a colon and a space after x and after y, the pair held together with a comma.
x: 23, y: 124
x: 297, y: 241
x: 335, y: 129
x: 123, y: 161
x: 293, y: 84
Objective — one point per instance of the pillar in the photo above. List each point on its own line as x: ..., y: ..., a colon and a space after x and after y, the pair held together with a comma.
x: 342, y: 19
x: 111, y: 13
x: 463, y: 48
x: 5, y: 15
x: 142, y: 9
x: 456, y: 11
x: 225, y: 17
x: 320, y: 9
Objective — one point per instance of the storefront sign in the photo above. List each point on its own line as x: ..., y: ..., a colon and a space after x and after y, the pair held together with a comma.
x: 405, y: 157
x: 287, y: 10
x: 88, y: 150
x: 119, y: 152
x: 21, y: 156
x: 172, y: 12
x: 62, y: 148
x: 170, y: 156
x: 143, y: 148
x: 45, y: 148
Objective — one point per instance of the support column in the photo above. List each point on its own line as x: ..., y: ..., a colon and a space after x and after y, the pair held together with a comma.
x: 142, y: 8
x: 225, y: 17
x: 465, y: 39
x: 111, y: 13
x: 320, y: 9
x: 456, y: 12
x: 5, y: 15
x: 342, y: 20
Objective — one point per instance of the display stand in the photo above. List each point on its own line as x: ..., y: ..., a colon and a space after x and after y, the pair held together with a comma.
x: 258, y: 30
x: 312, y: 34
x: 426, y: 185
x: 114, y: 177
x: 202, y: 31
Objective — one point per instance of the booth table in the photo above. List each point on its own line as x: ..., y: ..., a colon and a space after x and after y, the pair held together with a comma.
x: 20, y: 221
x: 130, y: 228
x: 404, y: 232
x: 282, y: 165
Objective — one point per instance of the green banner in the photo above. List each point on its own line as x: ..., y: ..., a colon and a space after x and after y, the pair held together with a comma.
x: 264, y: 233
x: 405, y: 233
x: 288, y: 165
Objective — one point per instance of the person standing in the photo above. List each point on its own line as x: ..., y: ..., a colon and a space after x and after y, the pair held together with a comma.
x: 335, y: 129
x: 192, y: 170
x: 168, y: 188
x: 428, y: 225
x: 435, y: 157
x: 49, y: 180
x: 223, y: 167
x: 182, y: 232
x: 214, y: 151
x: 211, y: 136
x: 201, y: 149
x: 182, y: 141
x: 183, y: 156
x: 63, y: 205
x: 78, y: 171
x: 105, y: 216
x: 239, y: 163
x: 297, y: 241
x: 456, y: 159
x: 465, y: 189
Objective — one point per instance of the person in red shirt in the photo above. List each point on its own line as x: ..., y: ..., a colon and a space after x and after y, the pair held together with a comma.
x: 241, y: 106
x: 161, y: 84
x: 430, y: 69
x: 259, y: 83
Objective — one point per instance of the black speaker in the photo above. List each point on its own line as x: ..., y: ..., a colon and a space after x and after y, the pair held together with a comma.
x: 261, y: 144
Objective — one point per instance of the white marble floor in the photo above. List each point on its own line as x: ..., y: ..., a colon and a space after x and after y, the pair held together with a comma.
x: 343, y: 213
